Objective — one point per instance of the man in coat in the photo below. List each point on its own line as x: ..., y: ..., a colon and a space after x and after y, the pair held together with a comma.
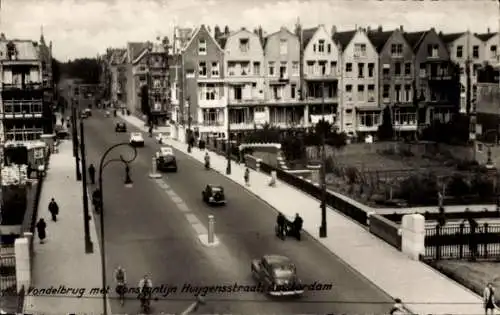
x: 40, y: 228
x: 489, y: 299
x: 297, y: 226
x: 280, y: 223
x: 53, y: 209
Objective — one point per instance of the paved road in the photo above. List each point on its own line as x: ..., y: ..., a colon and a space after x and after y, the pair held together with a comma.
x: 146, y: 232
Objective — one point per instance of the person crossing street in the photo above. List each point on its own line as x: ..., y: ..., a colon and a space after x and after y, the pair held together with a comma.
x: 53, y: 209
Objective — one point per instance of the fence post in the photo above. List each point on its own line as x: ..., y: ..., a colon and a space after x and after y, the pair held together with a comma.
x: 461, y: 248
x: 438, y: 242
x: 485, y: 243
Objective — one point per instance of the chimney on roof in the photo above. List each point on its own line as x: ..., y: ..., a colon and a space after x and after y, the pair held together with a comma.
x: 380, y: 28
x: 368, y: 29
x: 243, y: 28
x: 334, y: 29
x: 401, y: 28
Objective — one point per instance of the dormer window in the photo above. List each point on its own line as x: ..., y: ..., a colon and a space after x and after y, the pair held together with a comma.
x: 11, y: 51
x: 244, y: 44
x: 202, y: 47
x: 433, y: 50
x: 321, y: 46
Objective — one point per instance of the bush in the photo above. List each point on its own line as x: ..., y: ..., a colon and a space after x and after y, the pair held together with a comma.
x: 458, y: 186
x: 293, y: 148
x: 268, y: 134
x: 419, y: 189
x: 482, y: 186
x: 351, y: 174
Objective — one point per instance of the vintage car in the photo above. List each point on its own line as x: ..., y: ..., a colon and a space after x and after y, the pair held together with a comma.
x: 277, y: 275
x: 136, y: 139
x: 121, y: 127
x: 165, y: 159
x: 214, y: 195
x: 161, y: 138
x: 85, y: 114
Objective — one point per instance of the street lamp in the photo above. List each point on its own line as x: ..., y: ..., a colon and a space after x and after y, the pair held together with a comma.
x: 228, y: 149
x: 89, y: 247
x: 322, y: 228
x: 190, y: 133
x: 128, y: 183
x: 74, y: 131
x: 150, y: 118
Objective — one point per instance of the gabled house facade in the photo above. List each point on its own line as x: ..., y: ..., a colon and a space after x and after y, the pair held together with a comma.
x: 116, y: 66
x: 136, y: 73
x: 282, y: 57
x: 361, y: 110
x: 205, y: 95
x: 322, y: 72
x: 244, y: 75
x: 437, y: 79
x: 159, y: 85
x: 491, y: 42
x: 466, y: 50
x: 396, y: 73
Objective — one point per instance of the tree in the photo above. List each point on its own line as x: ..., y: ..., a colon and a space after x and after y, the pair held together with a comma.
x: 217, y: 31
x: 226, y: 30
x: 386, y: 130
x: 267, y: 134
x: 293, y: 147
x: 86, y: 69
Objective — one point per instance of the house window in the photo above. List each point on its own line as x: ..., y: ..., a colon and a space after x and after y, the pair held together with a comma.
x: 295, y: 68
x: 348, y: 88
x: 321, y: 46
x: 245, y: 68
x: 348, y: 67
x: 361, y: 92
x: 202, y: 69
x: 270, y: 68
x: 397, y: 69
x: 371, y: 70
x: 293, y: 91
x: 310, y: 67
x: 329, y: 48
x: 231, y: 68
x: 215, y: 69
x: 322, y: 67
x: 208, y: 91
x: 397, y: 50
x: 314, y: 47
x: 386, y: 70
x: 433, y: 50
x: 493, y: 51
x: 237, y: 93
x: 283, y: 47
x: 475, y: 51
x: 371, y: 93
x: 361, y: 68
x: 256, y: 68
x: 407, y: 97
x: 423, y: 70
x: 244, y: 45
x: 333, y: 67
x: 407, y: 68
x: 460, y: 51
x: 385, y: 91
x: 359, y: 50
x: 277, y: 92
x: 202, y: 47
x: 397, y: 88
x: 283, y: 70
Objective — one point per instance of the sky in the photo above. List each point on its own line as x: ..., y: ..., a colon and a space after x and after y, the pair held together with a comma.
x: 85, y: 28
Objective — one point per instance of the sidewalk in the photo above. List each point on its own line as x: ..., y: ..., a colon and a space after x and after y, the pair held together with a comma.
x: 61, y: 260
x: 422, y: 289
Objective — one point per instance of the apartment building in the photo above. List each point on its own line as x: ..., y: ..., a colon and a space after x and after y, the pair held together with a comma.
x: 25, y: 114
x: 281, y: 91
x: 204, y: 91
x: 45, y: 55
x: 436, y: 79
x: 116, y: 68
x: 396, y: 73
x: 245, y: 79
x: 361, y: 112
x: 491, y: 42
x: 157, y: 56
x: 467, y: 51
x: 322, y: 70
x: 136, y: 74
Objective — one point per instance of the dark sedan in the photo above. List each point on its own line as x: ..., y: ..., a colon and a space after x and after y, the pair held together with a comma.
x: 277, y: 275
x: 214, y: 195
x: 121, y: 127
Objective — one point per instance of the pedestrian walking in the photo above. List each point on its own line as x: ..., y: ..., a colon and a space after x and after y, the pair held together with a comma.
x: 489, y: 299
x: 53, y: 209
x: 62, y: 121
x: 92, y: 174
x: 280, y: 225
x: 297, y: 226
x: 247, y: 176
x: 40, y: 228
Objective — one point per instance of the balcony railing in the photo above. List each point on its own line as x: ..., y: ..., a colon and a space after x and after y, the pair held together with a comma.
x: 23, y: 109
x: 212, y: 123
x: 22, y: 86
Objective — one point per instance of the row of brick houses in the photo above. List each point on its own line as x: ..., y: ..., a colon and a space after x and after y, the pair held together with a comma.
x: 293, y: 79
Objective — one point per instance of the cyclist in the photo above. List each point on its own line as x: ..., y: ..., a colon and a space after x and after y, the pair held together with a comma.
x: 145, y: 288
x: 121, y: 281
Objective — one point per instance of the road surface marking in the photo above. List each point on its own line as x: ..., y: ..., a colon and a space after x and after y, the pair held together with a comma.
x: 199, y: 228
x: 193, y: 219
x: 183, y: 207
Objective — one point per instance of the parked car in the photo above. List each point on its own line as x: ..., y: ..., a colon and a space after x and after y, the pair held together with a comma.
x: 277, y: 275
x: 165, y: 159
x: 84, y: 114
x: 136, y: 139
x: 121, y: 127
x: 88, y: 112
x: 214, y: 195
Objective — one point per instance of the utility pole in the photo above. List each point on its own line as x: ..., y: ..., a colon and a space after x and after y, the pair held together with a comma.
x: 323, y: 227
x: 85, y: 199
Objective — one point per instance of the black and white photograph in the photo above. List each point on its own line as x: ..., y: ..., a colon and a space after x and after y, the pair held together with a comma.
x: 250, y: 157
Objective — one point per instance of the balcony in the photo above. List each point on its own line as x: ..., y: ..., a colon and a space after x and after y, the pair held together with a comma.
x: 247, y: 125
x: 364, y: 128
x: 22, y: 109
x: 405, y: 126
x: 318, y: 76
x: 22, y: 86
x: 439, y: 77
x: 319, y: 100
x: 221, y: 102
x: 245, y: 102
